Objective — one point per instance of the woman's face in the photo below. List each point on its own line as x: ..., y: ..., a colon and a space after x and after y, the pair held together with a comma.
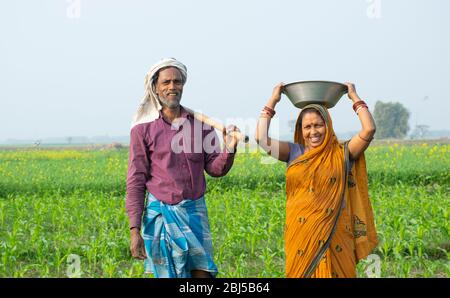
x: 313, y: 130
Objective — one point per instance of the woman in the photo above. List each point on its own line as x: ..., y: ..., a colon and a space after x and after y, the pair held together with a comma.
x: 329, y: 219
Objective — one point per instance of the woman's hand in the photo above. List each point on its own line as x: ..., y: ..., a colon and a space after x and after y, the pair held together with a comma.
x: 352, y: 92
x: 276, y: 94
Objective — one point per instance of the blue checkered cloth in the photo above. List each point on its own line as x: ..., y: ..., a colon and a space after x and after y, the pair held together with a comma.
x: 177, y: 238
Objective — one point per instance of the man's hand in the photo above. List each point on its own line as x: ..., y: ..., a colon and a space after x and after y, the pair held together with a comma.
x: 137, y: 245
x: 230, y: 139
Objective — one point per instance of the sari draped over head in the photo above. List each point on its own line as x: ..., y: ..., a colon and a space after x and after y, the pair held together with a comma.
x: 329, y: 218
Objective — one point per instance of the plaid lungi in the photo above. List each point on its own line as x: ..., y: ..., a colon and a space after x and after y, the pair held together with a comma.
x: 177, y: 238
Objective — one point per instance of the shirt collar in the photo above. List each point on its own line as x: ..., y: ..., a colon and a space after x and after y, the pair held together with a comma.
x: 183, y: 114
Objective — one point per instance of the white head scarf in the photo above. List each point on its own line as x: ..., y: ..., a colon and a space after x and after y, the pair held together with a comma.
x: 149, y: 108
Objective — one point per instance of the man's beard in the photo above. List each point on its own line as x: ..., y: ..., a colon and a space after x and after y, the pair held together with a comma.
x: 171, y: 104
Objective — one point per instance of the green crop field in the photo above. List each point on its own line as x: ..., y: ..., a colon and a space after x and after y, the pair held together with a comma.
x: 57, y: 204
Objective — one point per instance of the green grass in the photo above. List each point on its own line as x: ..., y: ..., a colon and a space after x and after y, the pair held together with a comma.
x: 56, y: 203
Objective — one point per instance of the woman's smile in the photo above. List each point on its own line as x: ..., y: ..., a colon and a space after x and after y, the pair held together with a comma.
x: 313, y: 129
x: 315, y: 139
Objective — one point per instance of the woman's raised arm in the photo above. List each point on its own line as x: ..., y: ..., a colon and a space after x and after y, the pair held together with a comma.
x: 359, y: 142
x: 277, y: 149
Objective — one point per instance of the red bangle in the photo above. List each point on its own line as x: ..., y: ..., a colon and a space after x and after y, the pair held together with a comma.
x: 361, y: 107
x: 357, y: 104
x: 270, y: 111
x: 265, y: 113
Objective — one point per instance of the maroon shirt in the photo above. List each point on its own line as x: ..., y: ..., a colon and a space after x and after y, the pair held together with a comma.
x: 168, y: 161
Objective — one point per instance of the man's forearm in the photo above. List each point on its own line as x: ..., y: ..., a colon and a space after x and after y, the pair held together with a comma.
x: 221, y: 164
x: 135, y: 209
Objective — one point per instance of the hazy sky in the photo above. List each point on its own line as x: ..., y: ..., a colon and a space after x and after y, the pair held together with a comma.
x: 76, y: 68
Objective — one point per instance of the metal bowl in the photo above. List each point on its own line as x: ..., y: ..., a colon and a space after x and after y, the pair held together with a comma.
x: 321, y: 92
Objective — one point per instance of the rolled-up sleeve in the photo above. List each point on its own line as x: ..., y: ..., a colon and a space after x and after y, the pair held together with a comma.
x: 218, y: 162
x: 138, y: 175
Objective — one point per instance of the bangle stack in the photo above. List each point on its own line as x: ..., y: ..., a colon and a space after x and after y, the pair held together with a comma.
x: 268, y: 111
x: 359, y: 105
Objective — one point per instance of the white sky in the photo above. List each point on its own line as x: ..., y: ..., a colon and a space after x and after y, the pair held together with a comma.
x: 69, y: 70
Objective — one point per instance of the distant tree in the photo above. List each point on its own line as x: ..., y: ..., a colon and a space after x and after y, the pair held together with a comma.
x: 391, y: 120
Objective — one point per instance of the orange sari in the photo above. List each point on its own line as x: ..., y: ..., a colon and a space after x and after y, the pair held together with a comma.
x: 329, y: 218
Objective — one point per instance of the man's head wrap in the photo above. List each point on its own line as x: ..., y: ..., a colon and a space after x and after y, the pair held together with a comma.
x: 149, y: 108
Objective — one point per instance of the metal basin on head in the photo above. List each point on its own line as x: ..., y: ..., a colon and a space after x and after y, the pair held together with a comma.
x: 320, y: 92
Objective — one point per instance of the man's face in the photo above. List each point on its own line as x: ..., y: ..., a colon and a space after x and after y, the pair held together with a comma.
x: 169, y: 87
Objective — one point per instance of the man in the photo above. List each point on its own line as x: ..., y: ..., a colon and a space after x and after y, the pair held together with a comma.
x: 168, y: 156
